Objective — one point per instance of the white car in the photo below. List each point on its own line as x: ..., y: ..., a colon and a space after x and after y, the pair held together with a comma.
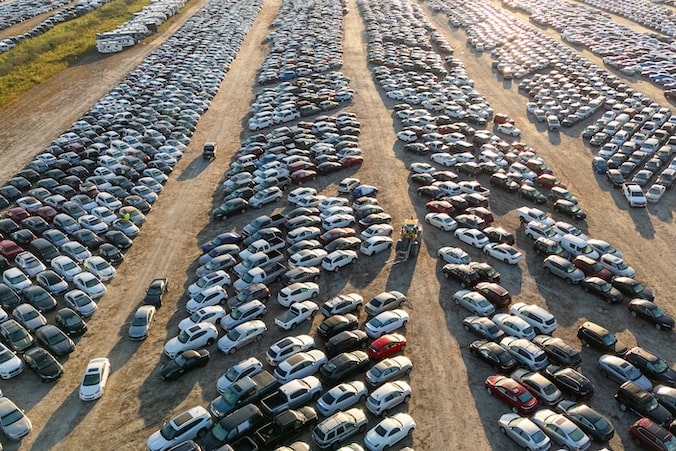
x: 655, y: 192
x: 473, y: 302
x: 341, y: 397
x: 242, y: 313
x: 514, y: 326
x: 307, y: 258
x: 263, y: 197
x: 348, y: 184
x: 16, y: 279
x: 81, y: 302
x: 151, y: 184
x: 245, y: 368
x: 389, y: 432
x: 338, y: 259
x: 29, y: 263
x: 617, y: 266
x: 95, y: 378
x: 297, y: 292
x: 603, y: 247
x: 310, y: 201
x: 184, y: 426
x: 100, y: 268
x: 10, y: 364
x: 90, y: 284
x: 407, y: 136
x: 288, y: 346
x: 503, y: 252
x: 561, y: 430
x: 444, y: 159
x: 76, y: 251
x: 621, y: 371
x: 423, y: 168
x: 207, y: 314
x: 215, y: 295
x: 108, y: 200
x: 454, y: 255
x: 386, y: 322
x: 66, y: 267
x: 525, y: 352
x: 338, y: 220
x: 524, y: 432
x: 28, y: 203
x: 217, y: 278
x: 198, y: 336
x: 388, y: 396
x: 300, y: 193
x: 51, y: 281
x: 565, y: 228
x: 241, y: 336
x: 508, y: 129
x: 302, y: 364
x: 441, y: 221
x: 473, y: 237
x: 258, y: 123
x: 375, y: 244
x: 542, y: 321
x: 376, y: 230
x: 448, y: 188
x: 302, y: 233
x: 329, y: 202
x: 104, y: 214
x: 336, y: 209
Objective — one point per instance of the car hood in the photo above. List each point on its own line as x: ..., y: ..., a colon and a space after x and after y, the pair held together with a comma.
x: 156, y: 442
x: 18, y: 429
x: 138, y: 331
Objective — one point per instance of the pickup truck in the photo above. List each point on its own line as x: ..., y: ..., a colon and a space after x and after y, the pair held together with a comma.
x: 257, y: 259
x: 285, y: 426
x: 634, y: 195
x: 249, y: 389
x: 528, y: 214
x: 268, y: 245
x: 264, y: 221
x: 266, y: 274
x: 263, y: 234
x: 291, y: 395
x: 296, y: 314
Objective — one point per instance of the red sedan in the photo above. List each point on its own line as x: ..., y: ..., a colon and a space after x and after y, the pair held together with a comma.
x: 351, y: 160
x: 387, y: 346
x: 511, y: 393
x: 338, y: 232
x: 46, y: 212
x: 440, y: 206
x: 495, y: 293
x: 9, y: 249
x: 303, y: 175
x: 17, y: 214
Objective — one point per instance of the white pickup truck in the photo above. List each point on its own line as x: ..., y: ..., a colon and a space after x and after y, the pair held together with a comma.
x: 296, y: 314
x: 528, y: 214
x: 634, y: 195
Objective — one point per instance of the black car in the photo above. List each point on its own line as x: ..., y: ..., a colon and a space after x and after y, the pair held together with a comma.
x: 303, y: 221
x: 602, y: 289
x: 495, y: 355
x: 632, y: 397
x: 230, y: 207
x: 570, y: 381
x: 15, y: 335
x: 589, y: 420
x: 70, y: 322
x: 503, y: 181
x: 422, y: 179
x: 328, y: 167
x: 53, y: 338
x: 499, y: 235
x: 559, y: 351
x: 244, y: 192
x: 117, y: 239
x: 430, y: 192
x: 344, y: 365
x: 591, y: 334
x: 39, y: 298
x: 156, y: 291
x: 184, y: 362
x: 285, y: 426
x: 532, y: 193
x: 649, y: 311
x: 8, y: 298
x: 8, y: 226
x: 417, y: 148
x: 333, y: 325
x: 443, y: 176
x: 257, y: 291
x: 615, y: 177
x: 138, y: 202
x: 483, y: 327
x: 486, y: 272
x: 464, y: 274
x: 43, y: 363
x: 23, y: 237
x: 110, y: 253
x: 468, y: 167
x: 653, y: 366
x: 88, y: 238
x: 376, y: 218
x: 301, y: 274
x: 302, y: 211
x: 569, y: 208
x: 632, y: 288
x: 35, y: 224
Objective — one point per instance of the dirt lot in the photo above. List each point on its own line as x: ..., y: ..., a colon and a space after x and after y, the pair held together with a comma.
x: 449, y: 402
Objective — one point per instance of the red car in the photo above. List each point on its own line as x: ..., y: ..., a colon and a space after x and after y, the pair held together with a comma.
x: 46, y: 212
x: 549, y: 181
x: 500, y: 118
x: 651, y: 435
x: 495, y: 293
x: 482, y: 212
x: 511, y: 393
x: 338, y: 232
x: 592, y: 268
x: 298, y: 165
x: 351, y: 160
x: 387, y: 346
x: 17, y: 214
x: 303, y: 175
x: 440, y: 206
x: 9, y: 249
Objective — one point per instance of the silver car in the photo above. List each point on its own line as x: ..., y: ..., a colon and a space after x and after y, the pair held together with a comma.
x: 13, y: 422
x: 140, y: 324
x: 563, y: 268
x: 621, y: 371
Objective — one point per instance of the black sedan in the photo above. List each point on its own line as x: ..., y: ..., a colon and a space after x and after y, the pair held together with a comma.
x: 348, y: 340
x: 422, y: 179
x: 430, y: 192
x: 632, y: 288
x: 503, y: 181
x: 495, y: 355
x: 333, y: 325
x: 602, y: 289
x: 43, y: 363
x: 184, y: 362
x: 230, y: 207
x: 559, y: 351
x: 138, y: 202
x: 110, y: 253
x: 156, y: 291
x: 70, y: 322
x: 376, y: 218
x: 486, y: 272
x: 344, y: 365
x: 650, y: 312
x: 53, y: 338
x: 570, y: 381
x: 532, y: 193
x: 588, y: 419
x: 342, y: 243
x: 88, y: 238
x: 117, y: 239
x: 483, y: 327
x: 39, y: 298
x: 464, y: 274
x: 569, y: 208
x: 328, y: 167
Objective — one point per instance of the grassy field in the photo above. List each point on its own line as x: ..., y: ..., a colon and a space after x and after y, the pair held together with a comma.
x: 35, y: 60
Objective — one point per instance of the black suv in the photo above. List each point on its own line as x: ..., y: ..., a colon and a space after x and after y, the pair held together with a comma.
x: 591, y: 334
x: 654, y: 367
x: 632, y: 397
x: 464, y: 274
x: 257, y: 291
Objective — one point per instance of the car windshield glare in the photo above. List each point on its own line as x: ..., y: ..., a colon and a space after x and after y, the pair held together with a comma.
x: 609, y: 339
x: 183, y: 337
x: 168, y: 432
x: 91, y: 379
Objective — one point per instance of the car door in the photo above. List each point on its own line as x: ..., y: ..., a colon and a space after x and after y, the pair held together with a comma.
x: 198, y: 337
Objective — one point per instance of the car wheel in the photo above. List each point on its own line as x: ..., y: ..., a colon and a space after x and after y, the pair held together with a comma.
x: 506, y: 260
x: 583, y: 342
x: 502, y: 429
x: 585, y: 288
x: 633, y: 313
x: 314, y: 295
x: 457, y: 301
x: 569, y: 281
x: 658, y: 327
x: 259, y: 337
x: 489, y: 391
x: 547, y: 270
x: 408, y: 371
x: 210, y: 342
x: 202, y: 433
x: 466, y: 327
x: 623, y: 407
x: 232, y: 350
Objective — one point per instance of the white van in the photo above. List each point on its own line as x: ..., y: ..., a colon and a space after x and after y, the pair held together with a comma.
x: 577, y: 246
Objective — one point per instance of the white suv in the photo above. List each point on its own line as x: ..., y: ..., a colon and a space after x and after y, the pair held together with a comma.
x: 542, y: 321
x: 184, y: 426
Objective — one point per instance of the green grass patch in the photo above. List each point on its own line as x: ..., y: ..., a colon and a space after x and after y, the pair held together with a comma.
x: 37, y: 59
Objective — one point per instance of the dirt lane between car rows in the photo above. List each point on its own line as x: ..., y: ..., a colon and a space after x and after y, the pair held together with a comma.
x: 449, y: 402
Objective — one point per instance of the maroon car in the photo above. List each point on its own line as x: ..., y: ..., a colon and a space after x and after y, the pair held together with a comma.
x: 495, y: 293
x: 351, y: 160
x: 440, y: 206
x: 303, y: 175
x: 511, y: 393
x: 592, y: 268
x: 9, y: 249
x: 338, y: 232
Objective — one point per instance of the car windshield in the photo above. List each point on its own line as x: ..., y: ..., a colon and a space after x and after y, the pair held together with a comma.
x: 609, y: 339
x: 56, y: 339
x: 11, y: 418
x: 576, y: 434
x: 139, y: 321
x: 236, y: 313
x: 71, y: 321
x: 376, y: 371
x: 92, y: 282
x: 168, y: 432
x: 638, y: 288
x: 69, y: 265
x: 621, y: 265
x: 651, y: 404
x: 525, y: 396
x: 31, y: 314
x: 219, y: 433
x: 248, y: 278
x: 183, y: 337
x: 180, y: 360
x: 234, y: 335
x: 538, y: 436
x: 660, y: 366
x: 657, y: 312
x: 91, y: 379
x: 6, y: 356
x: 550, y: 389
x: 230, y: 396
x: 601, y: 424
